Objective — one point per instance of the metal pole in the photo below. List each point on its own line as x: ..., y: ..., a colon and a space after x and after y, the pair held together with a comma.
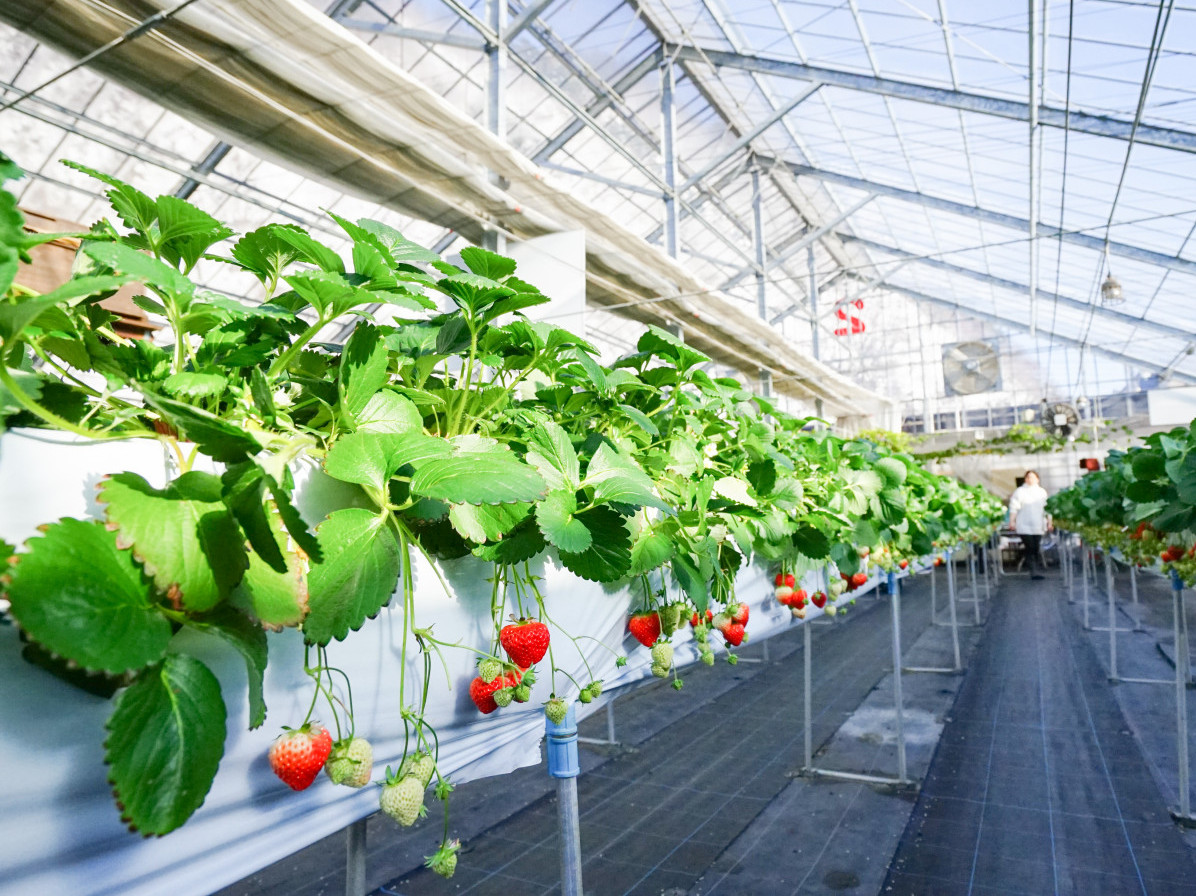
x: 355, y: 858
x: 1138, y: 616
x: 1084, y: 552
x: 610, y: 721
x: 808, y: 666
x: 934, y: 607
x: 895, y: 597
x: 496, y: 104
x: 954, y: 623
x: 972, y: 579
x: 563, y: 765
x: 1112, y: 619
x: 813, y: 293
x: 1182, y: 662
x: 1032, y: 243
x: 988, y: 594
x: 668, y: 118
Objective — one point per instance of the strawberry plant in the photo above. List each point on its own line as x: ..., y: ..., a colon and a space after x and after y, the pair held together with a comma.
x: 466, y: 431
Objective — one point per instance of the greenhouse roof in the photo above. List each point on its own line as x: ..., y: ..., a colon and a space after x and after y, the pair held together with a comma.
x: 882, y: 151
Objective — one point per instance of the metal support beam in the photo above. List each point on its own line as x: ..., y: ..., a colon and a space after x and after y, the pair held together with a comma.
x: 213, y: 158
x: 745, y: 141
x: 389, y: 29
x: 758, y: 242
x: 1110, y: 314
x: 525, y: 18
x: 1013, y: 222
x: 496, y: 101
x: 1099, y: 125
x: 668, y: 126
x: 808, y: 238
x: 813, y: 297
x: 1032, y: 217
x: 599, y: 105
x: 609, y: 181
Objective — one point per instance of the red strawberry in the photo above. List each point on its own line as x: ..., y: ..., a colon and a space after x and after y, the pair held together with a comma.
x: 860, y: 578
x: 938, y: 561
x: 780, y: 579
x: 482, y: 692
x: 818, y: 599
x: 645, y: 627
x: 790, y: 580
x: 739, y: 613
x: 734, y: 633
x: 799, y: 598
x: 297, y: 756
x: 903, y: 564
x: 695, y: 621
x: 525, y: 642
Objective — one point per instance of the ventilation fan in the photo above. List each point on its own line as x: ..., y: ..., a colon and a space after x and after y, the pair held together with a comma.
x: 970, y: 367
x: 1059, y: 419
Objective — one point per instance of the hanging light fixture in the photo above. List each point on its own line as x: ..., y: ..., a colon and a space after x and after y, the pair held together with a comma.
x: 1110, y: 290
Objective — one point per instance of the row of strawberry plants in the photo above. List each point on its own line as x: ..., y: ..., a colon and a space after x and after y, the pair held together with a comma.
x: 467, y: 431
x: 1143, y: 503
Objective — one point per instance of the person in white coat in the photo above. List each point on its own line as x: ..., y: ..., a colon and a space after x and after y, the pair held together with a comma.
x: 1028, y: 518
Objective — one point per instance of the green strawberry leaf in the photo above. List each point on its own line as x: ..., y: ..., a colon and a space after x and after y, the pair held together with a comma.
x: 650, y: 551
x: 618, y: 480
x: 609, y: 556
x: 195, y: 385
x: 371, y: 458
x: 520, y: 544
x: 275, y: 598
x: 243, y: 488
x: 486, y: 522
x: 388, y: 411
x: 78, y: 595
x: 478, y: 472
x: 216, y: 437
x: 144, y: 268
x: 555, y: 516
x: 690, y: 578
x: 551, y: 452
x: 249, y: 640
x: 165, y: 740
x: 734, y: 489
x: 184, y: 535
x: 487, y: 264
x: 363, y: 371
x: 357, y: 576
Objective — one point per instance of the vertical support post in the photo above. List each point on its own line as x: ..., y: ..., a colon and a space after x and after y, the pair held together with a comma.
x: 1084, y: 557
x: 807, y: 670
x: 1112, y: 619
x: 1182, y: 662
x: 563, y: 765
x: 934, y: 609
x: 496, y: 105
x: 813, y: 292
x: 954, y: 623
x: 972, y: 579
x: 1138, y: 626
x: 355, y: 858
x: 1033, y: 166
x: 761, y: 287
x: 610, y: 720
x: 988, y: 593
x: 668, y: 149
x: 898, y: 700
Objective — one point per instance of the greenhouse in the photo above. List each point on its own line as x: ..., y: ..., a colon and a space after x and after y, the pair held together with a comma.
x: 650, y: 447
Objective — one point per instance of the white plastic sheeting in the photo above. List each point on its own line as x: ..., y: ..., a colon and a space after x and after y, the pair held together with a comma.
x: 283, y: 80
x: 60, y: 831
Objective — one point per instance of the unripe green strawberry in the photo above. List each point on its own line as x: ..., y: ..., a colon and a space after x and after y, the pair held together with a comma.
x: 585, y: 696
x: 402, y: 799
x: 523, y: 693
x: 677, y: 684
x: 732, y: 659
x: 504, y: 696
x: 489, y: 669
x: 444, y: 860
x: 662, y: 655
x: 660, y: 671
x: 351, y: 762
x: 596, y: 688
x: 708, y: 657
x: 421, y: 765
x: 670, y: 617
x: 556, y: 709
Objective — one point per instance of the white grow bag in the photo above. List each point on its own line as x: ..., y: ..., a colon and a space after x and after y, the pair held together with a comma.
x: 60, y: 831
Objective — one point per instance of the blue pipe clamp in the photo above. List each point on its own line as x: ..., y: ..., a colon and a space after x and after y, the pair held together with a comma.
x: 562, y: 746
